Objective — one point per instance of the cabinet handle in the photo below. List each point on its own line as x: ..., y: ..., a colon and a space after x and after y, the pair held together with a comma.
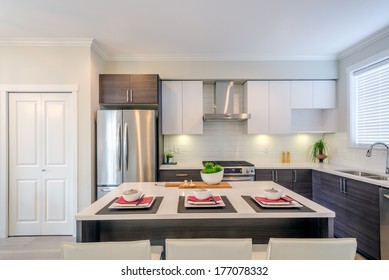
x: 386, y: 196
x: 181, y: 175
x: 295, y: 176
x: 344, y: 185
x: 275, y: 176
x: 131, y: 95
x: 127, y: 96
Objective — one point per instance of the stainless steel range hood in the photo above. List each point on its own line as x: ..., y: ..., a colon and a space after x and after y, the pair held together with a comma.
x: 224, y: 104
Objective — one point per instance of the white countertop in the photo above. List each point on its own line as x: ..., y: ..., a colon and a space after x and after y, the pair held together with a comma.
x: 168, y: 207
x: 328, y: 168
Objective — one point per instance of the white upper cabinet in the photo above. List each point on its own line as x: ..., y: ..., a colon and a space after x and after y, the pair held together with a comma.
x: 182, y: 107
x: 257, y: 94
x: 279, y: 107
x: 301, y: 94
x: 268, y: 102
x: 324, y: 94
x: 313, y: 94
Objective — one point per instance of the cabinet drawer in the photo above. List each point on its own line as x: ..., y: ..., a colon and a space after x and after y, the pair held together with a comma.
x: 179, y: 175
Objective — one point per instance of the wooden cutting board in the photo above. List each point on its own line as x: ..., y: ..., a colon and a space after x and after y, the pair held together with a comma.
x: 180, y: 185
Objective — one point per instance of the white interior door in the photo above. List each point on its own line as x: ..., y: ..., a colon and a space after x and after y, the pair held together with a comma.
x: 40, y: 157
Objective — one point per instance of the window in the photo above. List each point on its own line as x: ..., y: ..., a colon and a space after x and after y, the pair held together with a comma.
x: 370, y: 104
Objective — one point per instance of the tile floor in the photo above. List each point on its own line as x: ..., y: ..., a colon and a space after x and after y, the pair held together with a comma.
x: 32, y: 247
x: 40, y: 248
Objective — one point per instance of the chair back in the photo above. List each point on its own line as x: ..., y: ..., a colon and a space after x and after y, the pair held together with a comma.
x: 125, y: 250
x: 209, y: 249
x: 311, y: 249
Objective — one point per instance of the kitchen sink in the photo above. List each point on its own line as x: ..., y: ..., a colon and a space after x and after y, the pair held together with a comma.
x: 366, y: 175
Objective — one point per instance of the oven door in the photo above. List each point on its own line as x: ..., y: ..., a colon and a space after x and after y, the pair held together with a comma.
x: 232, y: 178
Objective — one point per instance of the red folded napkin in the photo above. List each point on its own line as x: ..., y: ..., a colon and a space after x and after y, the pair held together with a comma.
x: 283, y: 199
x: 145, y: 200
x: 209, y: 199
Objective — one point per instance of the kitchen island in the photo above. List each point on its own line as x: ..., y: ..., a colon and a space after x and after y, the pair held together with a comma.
x: 239, y: 219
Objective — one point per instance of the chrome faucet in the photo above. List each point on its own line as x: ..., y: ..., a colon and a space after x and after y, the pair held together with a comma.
x: 369, y: 151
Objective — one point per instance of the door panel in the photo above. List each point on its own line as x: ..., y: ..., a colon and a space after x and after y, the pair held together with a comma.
x: 27, y: 204
x: 24, y: 163
x: 40, y: 157
x: 139, y: 146
x: 109, y: 147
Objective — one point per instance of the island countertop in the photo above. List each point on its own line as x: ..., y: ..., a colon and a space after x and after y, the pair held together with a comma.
x: 168, y: 207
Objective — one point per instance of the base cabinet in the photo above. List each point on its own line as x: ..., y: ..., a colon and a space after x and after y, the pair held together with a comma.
x: 297, y: 180
x: 179, y: 175
x: 356, y: 205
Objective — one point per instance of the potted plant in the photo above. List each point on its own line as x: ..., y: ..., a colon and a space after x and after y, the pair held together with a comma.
x: 169, y: 157
x: 318, y: 150
x: 212, y: 173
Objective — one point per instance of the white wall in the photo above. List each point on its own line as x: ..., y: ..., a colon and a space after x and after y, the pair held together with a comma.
x: 341, y: 153
x: 236, y: 70
x: 58, y: 65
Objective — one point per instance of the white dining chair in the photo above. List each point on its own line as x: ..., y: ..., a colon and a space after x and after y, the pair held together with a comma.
x: 311, y: 249
x: 209, y: 249
x: 121, y: 250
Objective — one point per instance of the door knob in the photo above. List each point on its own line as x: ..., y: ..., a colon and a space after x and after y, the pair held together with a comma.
x: 43, y: 170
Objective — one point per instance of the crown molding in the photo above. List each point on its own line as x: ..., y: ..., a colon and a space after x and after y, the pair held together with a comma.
x: 169, y: 57
x: 384, y: 32
x: 43, y: 42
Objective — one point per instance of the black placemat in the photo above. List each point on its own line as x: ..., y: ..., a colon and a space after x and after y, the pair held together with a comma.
x: 152, y: 210
x: 226, y: 209
x: 257, y: 208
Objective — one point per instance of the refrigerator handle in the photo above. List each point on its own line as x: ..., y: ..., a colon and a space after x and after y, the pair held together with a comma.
x: 118, y: 149
x: 126, y: 145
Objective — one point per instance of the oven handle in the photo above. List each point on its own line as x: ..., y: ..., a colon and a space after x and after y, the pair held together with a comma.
x: 240, y: 178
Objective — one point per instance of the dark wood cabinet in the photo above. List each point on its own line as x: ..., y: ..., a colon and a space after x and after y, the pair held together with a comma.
x: 129, y: 88
x: 302, y: 182
x: 298, y: 180
x: 179, y: 175
x: 279, y: 176
x: 356, y: 205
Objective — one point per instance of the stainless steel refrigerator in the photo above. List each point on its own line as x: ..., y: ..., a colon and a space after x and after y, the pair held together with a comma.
x: 126, y: 148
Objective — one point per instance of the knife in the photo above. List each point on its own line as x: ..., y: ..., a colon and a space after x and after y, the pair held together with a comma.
x: 140, y: 199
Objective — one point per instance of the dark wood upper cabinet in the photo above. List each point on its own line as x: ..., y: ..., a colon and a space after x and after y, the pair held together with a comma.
x: 129, y: 88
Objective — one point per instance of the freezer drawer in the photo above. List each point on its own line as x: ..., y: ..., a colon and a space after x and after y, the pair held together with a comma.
x: 101, y: 191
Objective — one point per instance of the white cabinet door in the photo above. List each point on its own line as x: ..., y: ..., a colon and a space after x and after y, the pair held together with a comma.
x: 40, y: 157
x: 192, y: 107
x: 279, y: 107
x: 301, y: 93
x: 324, y: 94
x: 257, y: 95
x: 182, y: 107
x: 171, y: 107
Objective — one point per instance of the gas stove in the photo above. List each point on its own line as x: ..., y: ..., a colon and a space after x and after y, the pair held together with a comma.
x: 236, y: 170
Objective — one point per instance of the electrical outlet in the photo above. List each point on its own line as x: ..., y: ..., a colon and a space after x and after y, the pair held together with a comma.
x: 176, y: 150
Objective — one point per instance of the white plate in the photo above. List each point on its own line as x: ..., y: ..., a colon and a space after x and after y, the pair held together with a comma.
x: 131, y: 206
x: 293, y: 204
x: 203, y: 204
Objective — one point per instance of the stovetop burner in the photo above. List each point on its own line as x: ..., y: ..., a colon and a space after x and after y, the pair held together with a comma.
x: 226, y: 163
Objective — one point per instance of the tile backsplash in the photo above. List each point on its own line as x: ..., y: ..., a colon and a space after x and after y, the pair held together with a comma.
x: 230, y: 141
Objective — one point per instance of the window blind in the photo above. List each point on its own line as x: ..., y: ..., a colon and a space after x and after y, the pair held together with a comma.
x: 372, y: 104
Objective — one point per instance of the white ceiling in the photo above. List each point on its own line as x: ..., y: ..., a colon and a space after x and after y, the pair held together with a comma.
x: 200, y: 29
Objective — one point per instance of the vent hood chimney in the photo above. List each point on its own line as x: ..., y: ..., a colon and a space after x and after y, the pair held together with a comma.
x: 224, y: 104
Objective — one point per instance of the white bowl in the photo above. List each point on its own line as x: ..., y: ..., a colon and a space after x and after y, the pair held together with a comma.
x: 272, y: 194
x: 202, y: 193
x: 132, y: 194
x: 213, y: 178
